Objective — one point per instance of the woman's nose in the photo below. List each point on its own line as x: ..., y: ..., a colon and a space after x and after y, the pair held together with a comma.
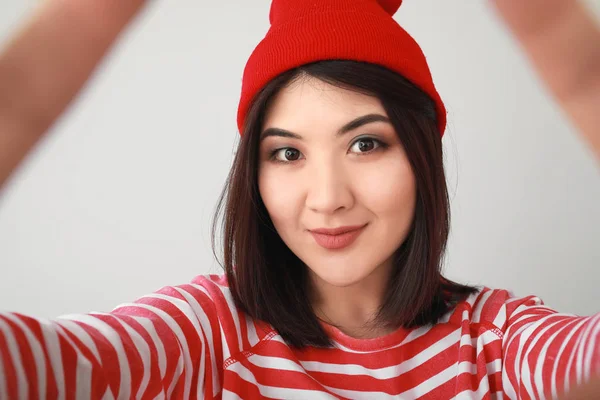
x: 328, y: 189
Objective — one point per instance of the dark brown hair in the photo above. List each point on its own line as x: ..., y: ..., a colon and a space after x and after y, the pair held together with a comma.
x: 269, y: 282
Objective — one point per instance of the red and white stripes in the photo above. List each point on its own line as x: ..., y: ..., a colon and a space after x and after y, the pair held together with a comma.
x: 190, y: 342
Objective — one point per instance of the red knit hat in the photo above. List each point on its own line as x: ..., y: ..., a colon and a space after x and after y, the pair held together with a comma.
x: 305, y: 31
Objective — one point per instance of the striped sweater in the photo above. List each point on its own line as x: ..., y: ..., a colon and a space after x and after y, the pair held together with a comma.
x: 189, y: 341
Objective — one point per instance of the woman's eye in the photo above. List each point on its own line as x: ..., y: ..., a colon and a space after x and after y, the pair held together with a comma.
x: 287, y: 154
x: 365, y: 145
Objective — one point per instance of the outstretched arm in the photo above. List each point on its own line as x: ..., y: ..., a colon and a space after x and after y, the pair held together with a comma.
x: 562, y: 41
x: 47, y: 62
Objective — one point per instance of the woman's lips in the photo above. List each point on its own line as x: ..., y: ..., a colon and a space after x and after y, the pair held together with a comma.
x: 335, y: 239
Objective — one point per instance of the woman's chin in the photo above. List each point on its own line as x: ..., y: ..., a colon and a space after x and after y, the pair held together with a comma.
x: 339, y: 277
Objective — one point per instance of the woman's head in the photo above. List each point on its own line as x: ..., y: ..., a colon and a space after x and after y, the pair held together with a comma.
x: 329, y: 158
x: 327, y: 145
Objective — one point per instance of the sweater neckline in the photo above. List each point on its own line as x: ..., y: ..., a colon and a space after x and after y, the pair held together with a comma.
x: 365, y: 345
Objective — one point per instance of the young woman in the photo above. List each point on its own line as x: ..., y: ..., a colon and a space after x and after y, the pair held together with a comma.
x: 335, y: 221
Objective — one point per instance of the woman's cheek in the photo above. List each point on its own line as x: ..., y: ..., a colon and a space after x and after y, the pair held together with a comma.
x: 279, y: 188
x: 385, y: 184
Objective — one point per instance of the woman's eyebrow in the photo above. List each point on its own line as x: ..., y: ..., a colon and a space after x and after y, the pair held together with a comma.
x: 360, y: 121
x: 350, y: 126
x: 279, y: 132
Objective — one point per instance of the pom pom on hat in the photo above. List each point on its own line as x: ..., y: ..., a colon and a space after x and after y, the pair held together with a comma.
x: 289, y: 9
x: 305, y: 31
x: 390, y: 6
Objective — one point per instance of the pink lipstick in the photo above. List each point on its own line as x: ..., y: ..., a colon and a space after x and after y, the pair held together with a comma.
x: 337, y: 238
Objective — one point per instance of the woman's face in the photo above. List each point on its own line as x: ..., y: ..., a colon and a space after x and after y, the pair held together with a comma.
x: 318, y: 172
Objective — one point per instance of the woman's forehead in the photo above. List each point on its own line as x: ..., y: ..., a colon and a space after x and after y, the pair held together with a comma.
x: 309, y: 102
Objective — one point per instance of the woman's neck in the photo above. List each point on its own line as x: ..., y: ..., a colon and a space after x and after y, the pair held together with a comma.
x: 352, y: 309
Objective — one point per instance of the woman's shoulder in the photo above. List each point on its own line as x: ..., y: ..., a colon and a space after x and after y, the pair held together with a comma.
x: 205, y: 298
x: 205, y: 303
x: 209, y: 295
x: 212, y: 291
x: 495, y: 308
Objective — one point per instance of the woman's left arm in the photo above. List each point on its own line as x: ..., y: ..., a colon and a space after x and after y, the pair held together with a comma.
x: 552, y: 354
x: 562, y: 42
x: 546, y: 354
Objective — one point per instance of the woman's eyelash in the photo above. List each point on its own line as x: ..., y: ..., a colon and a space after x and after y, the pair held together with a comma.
x: 273, y: 155
x: 379, y: 145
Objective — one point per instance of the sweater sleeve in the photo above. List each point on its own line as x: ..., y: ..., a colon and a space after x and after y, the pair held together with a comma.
x: 160, y: 346
x: 545, y: 353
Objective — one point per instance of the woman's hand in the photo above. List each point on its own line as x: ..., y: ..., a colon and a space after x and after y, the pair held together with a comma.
x: 47, y: 62
x: 562, y: 42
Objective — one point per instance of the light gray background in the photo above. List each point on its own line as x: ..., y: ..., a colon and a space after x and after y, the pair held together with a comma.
x: 117, y: 200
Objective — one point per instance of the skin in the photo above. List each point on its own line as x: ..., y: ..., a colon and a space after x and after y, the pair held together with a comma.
x: 330, y: 181
x: 47, y: 62
x: 49, y: 59
x: 562, y: 42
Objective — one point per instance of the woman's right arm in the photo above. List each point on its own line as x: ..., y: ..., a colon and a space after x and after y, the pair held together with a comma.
x: 161, y: 346
x: 47, y: 62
